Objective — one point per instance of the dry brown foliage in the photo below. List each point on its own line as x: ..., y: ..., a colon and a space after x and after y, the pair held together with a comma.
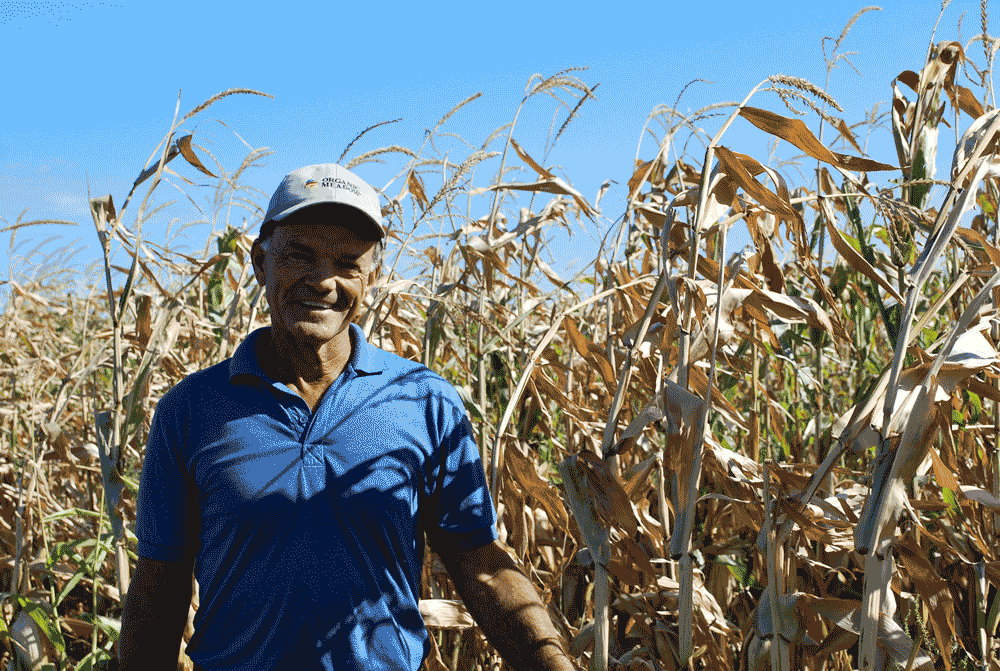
x: 700, y: 462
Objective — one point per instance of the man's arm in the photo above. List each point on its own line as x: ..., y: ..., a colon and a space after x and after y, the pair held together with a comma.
x: 156, y: 609
x: 506, y: 607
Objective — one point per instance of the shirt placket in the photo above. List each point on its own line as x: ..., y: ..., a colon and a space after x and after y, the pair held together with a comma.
x: 313, y: 453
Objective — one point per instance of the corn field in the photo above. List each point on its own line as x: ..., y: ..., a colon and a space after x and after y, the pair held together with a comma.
x: 701, y: 462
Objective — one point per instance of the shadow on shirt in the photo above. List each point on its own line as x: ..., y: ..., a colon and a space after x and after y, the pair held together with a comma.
x: 313, y: 533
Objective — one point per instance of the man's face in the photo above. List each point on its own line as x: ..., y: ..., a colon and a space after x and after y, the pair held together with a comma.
x: 315, y: 277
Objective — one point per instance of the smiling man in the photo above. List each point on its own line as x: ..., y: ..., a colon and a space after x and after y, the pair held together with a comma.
x: 299, y: 478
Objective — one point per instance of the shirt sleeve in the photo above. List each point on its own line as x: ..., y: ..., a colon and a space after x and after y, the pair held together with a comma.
x: 167, y: 520
x: 461, y: 515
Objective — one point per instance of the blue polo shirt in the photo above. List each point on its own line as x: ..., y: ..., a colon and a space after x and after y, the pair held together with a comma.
x: 307, y: 528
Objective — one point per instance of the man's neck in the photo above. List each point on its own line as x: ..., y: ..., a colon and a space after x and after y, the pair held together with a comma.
x: 303, y: 366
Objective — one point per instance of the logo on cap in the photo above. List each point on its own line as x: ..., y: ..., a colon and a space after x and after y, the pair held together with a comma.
x: 312, y: 183
x: 338, y: 183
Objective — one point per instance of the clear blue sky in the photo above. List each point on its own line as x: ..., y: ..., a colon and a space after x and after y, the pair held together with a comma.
x: 90, y: 88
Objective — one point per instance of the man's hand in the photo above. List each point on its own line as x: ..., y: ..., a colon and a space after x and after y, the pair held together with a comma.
x: 507, y: 608
x: 156, y: 608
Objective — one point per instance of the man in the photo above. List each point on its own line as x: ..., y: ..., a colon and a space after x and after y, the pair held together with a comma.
x: 297, y: 479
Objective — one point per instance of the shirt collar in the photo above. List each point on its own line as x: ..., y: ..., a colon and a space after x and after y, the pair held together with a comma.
x: 364, y: 359
x: 364, y: 356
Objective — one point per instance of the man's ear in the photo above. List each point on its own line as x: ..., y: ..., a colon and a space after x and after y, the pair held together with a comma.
x: 257, y: 259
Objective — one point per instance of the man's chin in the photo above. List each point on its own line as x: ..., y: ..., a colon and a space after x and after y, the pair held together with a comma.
x: 313, y: 332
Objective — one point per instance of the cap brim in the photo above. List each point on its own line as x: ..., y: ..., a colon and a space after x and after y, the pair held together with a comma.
x: 363, y: 219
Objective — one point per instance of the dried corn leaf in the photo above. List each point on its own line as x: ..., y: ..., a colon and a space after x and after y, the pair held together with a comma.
x: 549, y: 273
x: 416, y: 188
x: 699, y: 383
x: 649, y: 414
x: 551, y: 185
x: 434, y: 661
x: 943, y: 475
x: 736, y: 166
x: 796, y: 132
x: 682, y: 408
x: 590, y: 351
x: 845, y: 131
x: 445, y: 614
x: 513, y: 517
x: 732, y: 300
x: 636, y: 480
x: 522, y: 469
x: 963, y: 99
x: 974, y: 136
x: 184, y: 144
x: 613, y: 504
x: 933, y: 591
x: 857, y: 261
x: 643, y: 170
x: 767, y: 265
x: 941, y: 67
x: 542, y: 172
x: 721, y: 196
x: 980, y: 496
x: 891, y: 637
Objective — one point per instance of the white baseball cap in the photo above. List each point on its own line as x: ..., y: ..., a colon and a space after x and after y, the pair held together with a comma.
x: 319, y: 184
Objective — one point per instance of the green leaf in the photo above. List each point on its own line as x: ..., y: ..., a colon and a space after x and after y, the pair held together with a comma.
x: 785, y: 448
x: 818, y: 338
x: 892, y: 316
x: 743, y: 347
x: 4, y: 632
x: 727, y: 382
x: 737, y: 568
x: 528, y: 424
x: 918, y: 192
x: 974, y: 403
x: 133, y: 412
x: 69, y: 512
x: 498, y: 385
x: 217, y: 283
x: 128, y: 287
x: 838, y: 280
x: 952, y: 502
x: 991, y: 617
x: 957, y: 417
x: 984, y: 204
x: 475, y: 412
x: 43, y: 616
x: 882, y: 234
x: 131, y: 485
x: 71, y: 583
x: 68, y: 549
x: 816, y: 230
x: 929, y: 336
x: 98, y: 660
x: 216, y: 286
x: 109, y: 626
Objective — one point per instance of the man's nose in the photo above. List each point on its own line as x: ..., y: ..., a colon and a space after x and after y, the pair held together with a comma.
x: 326, y: 276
